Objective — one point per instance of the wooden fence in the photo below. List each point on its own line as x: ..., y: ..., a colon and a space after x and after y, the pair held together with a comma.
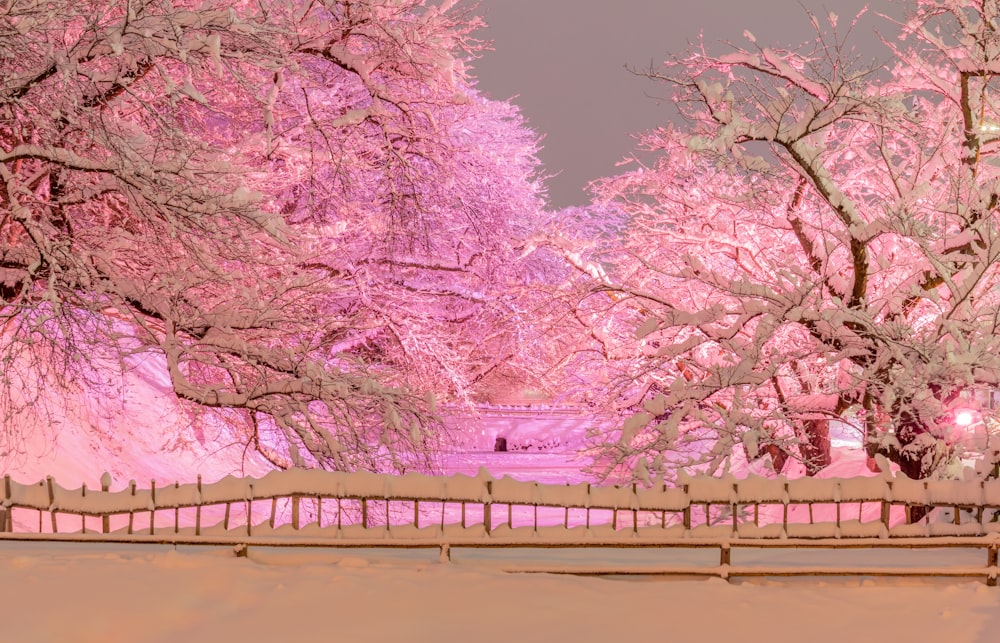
x: 365, y: 505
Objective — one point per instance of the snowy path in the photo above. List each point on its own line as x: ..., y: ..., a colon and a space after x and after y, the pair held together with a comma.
x: 156, y: 594
x: 546, y: 467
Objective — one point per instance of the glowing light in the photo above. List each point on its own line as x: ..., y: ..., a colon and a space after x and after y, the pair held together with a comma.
x: 964, y: 418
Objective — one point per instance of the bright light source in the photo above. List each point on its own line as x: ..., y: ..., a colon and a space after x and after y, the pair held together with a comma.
x: 964, y: 418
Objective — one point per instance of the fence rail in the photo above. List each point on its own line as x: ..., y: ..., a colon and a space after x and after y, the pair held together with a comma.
x: 935, y: 560
x: 414, y: 506
x: 339, y: 510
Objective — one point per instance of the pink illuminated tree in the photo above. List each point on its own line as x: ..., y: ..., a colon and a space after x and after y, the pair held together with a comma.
x: 303, y: 209
x: 817, y: 241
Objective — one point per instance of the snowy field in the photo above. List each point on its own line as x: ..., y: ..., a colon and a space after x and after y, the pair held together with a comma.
x: 77, y: 593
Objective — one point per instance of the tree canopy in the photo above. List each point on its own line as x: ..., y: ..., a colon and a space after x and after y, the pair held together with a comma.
x: 320, y: 228
x: 815, y: 239
x: 303, y: 208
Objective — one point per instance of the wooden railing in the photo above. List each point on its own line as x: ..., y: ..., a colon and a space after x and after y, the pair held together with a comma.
x: 413, y: 506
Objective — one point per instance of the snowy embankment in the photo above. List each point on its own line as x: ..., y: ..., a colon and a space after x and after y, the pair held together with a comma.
x: 161, y: 595
x: 131, y: 426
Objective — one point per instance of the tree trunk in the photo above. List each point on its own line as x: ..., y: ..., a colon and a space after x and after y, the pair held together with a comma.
x: 814, y: 445
x: 912, y: 460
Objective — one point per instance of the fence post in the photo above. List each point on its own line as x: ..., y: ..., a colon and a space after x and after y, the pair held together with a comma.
x: 4, y: 510
x: 979, y: 509
x: 83, y: 516
x: 735, y: 508
x: 131, y: 513
x: 725, y: 558
x: 197, y: 510
x: 991, y: 566
x: 177, y: 509
x: 52, y: 499
x: 488, y: 508
x: 566, y: 514
x: 105, y: 487
x: 687, y: 511
x: 152, y: 507
x: 784, y: 510
x: 250, y: 510
x: 295, y: 512
x: 635, y: 512
x: 7, y: 524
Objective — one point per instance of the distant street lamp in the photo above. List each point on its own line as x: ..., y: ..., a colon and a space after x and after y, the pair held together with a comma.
x: 965, y: 417
x: 987, y: 132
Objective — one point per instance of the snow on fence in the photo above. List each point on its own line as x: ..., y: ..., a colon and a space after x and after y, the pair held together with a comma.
x: 415, y: 506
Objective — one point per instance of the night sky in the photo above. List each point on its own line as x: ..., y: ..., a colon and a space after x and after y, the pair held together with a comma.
x: 565, y: 62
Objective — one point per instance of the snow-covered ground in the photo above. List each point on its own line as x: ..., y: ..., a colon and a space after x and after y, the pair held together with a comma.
x: 92, y: 592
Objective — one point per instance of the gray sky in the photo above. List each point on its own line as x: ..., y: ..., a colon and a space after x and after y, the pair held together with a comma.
x: 564, y: 61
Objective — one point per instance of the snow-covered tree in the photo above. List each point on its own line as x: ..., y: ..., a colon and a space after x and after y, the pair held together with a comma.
x: 293, y: 204
x: 817, y: 240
